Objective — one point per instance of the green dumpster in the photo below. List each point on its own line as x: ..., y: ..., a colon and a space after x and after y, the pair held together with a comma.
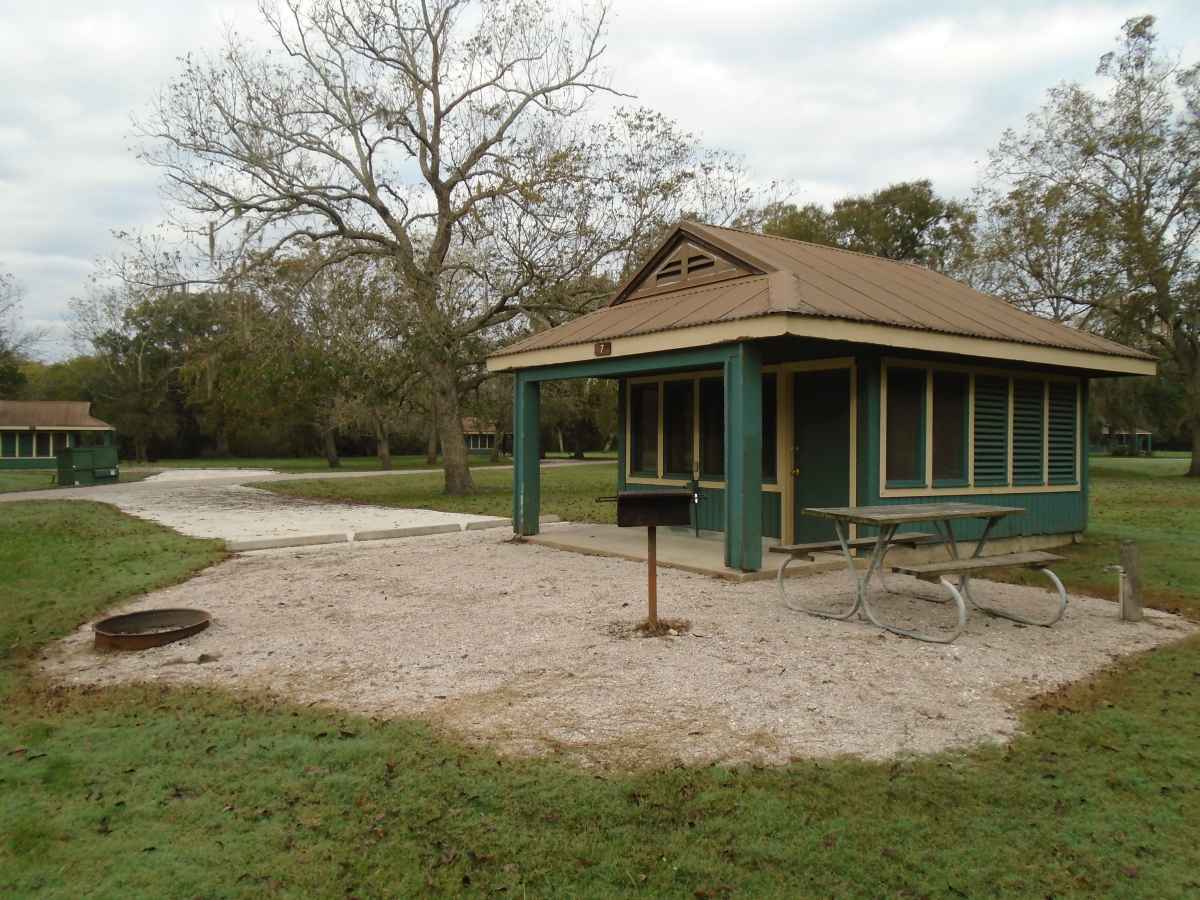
x: 87, y: 465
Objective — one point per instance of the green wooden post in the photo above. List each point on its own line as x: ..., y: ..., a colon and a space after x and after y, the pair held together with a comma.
x: 622, y: 450
x: 743, y: 458
x: 526, y: 470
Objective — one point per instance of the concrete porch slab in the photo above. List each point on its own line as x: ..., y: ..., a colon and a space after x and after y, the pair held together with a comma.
x: 677, y: 549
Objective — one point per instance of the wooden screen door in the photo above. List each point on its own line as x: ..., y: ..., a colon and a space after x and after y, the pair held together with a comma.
x: 821, y: 455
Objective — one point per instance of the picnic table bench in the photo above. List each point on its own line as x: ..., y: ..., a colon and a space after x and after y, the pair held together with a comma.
x: 888, y: 519
x: 905, y: 539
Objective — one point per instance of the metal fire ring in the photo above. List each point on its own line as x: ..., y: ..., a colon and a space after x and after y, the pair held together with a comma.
x: 149, y: 628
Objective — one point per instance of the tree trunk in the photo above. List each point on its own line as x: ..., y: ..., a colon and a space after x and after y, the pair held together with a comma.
x: 383, y: 445
x: 431, y: 449
x: 455, y: 463
x: 139, y: 449
x: 329, y: 438
x: 1194, y: 470
x: 562, y: 445
x: 222, y: 448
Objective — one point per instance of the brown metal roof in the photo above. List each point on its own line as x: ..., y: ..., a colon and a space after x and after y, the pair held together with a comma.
x: 823, y: 282
x: 48, y: 414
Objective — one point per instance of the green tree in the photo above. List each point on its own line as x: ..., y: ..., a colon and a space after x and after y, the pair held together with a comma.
x: 134, y: 389
x: 905, y: 221
x: 1095, y: 206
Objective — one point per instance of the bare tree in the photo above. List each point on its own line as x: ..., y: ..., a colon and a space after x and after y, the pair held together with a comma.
x: 388, y: 127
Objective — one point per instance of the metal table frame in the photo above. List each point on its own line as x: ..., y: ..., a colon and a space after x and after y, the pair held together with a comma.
x: 888, y: 519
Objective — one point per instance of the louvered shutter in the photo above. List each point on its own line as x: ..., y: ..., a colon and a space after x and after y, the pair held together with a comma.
x: 991, y: 430
x: 1064, y: 427
x: 1027, y: 436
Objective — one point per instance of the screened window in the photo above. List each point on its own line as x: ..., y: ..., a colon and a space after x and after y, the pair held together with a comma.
x: 24, y: 444
x: 1020, y: 431
x: 712, y: 428
x: 951, y: 392
x: 905, y: 426
x: 643, y: 428
x: 678, y: 416
x: 768, y: 427
x: 43, y: 443
x: 8, y: 444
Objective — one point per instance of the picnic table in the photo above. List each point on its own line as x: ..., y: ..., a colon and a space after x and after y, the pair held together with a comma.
x: 888, y: 520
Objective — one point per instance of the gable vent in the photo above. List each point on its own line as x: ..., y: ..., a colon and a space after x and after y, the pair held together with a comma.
x: 685, y: 264
x: 670, y: 272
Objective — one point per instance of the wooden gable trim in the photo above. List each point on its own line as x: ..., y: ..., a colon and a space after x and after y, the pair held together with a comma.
x: 681, y: 247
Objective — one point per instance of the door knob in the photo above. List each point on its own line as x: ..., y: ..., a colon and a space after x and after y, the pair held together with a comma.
x: 796, y: 472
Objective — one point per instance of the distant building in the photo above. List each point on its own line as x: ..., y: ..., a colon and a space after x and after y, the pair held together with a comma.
x: 1122, y: 443
x: 32, y: 432
x: 481, y: 436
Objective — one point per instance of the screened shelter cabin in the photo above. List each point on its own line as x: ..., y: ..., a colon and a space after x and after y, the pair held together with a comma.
x: 32, y: 432
x: 481, y: 437
x: 781, y: 375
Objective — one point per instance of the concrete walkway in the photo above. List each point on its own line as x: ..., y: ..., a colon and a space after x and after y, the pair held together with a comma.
x: 230, y: 507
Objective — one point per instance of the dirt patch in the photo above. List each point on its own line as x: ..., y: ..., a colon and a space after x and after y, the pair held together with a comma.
x: 514, y: 646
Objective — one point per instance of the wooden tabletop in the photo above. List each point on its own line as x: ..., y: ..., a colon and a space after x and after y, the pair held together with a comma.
x: 903, y: 513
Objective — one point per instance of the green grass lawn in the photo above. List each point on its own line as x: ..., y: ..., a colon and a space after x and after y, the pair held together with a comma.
x: 1149, y: 502
x: 156, y: 792
x: 40, y: 479
x: 567, y: 491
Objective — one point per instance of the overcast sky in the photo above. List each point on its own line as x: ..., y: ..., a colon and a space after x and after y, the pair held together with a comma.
x: 837, y: 97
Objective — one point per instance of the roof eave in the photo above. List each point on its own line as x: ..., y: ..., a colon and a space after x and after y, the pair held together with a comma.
x: 783, y: 324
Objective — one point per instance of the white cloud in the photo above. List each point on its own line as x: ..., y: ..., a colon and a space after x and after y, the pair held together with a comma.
x: 837, y: 96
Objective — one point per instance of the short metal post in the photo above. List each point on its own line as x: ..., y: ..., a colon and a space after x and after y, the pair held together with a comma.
x: 1131, y: 584
x: 652, y: 575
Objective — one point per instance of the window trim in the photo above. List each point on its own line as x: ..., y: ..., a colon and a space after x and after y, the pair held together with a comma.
x: 924, y: 433
x: 631, y: 474
x: 968, y: 478
x: 660, y: 477
x: 926, y: 489
x: 662, y: 430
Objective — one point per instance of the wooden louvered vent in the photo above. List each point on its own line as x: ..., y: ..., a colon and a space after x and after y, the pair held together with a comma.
x: 1064, y: 419
x: 991, y: 431
x: 1027, y: 431
x: 688, y: 265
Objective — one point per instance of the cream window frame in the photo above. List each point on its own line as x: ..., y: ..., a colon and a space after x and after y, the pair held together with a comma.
x: 695, y: 377
x: 971, y: 489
